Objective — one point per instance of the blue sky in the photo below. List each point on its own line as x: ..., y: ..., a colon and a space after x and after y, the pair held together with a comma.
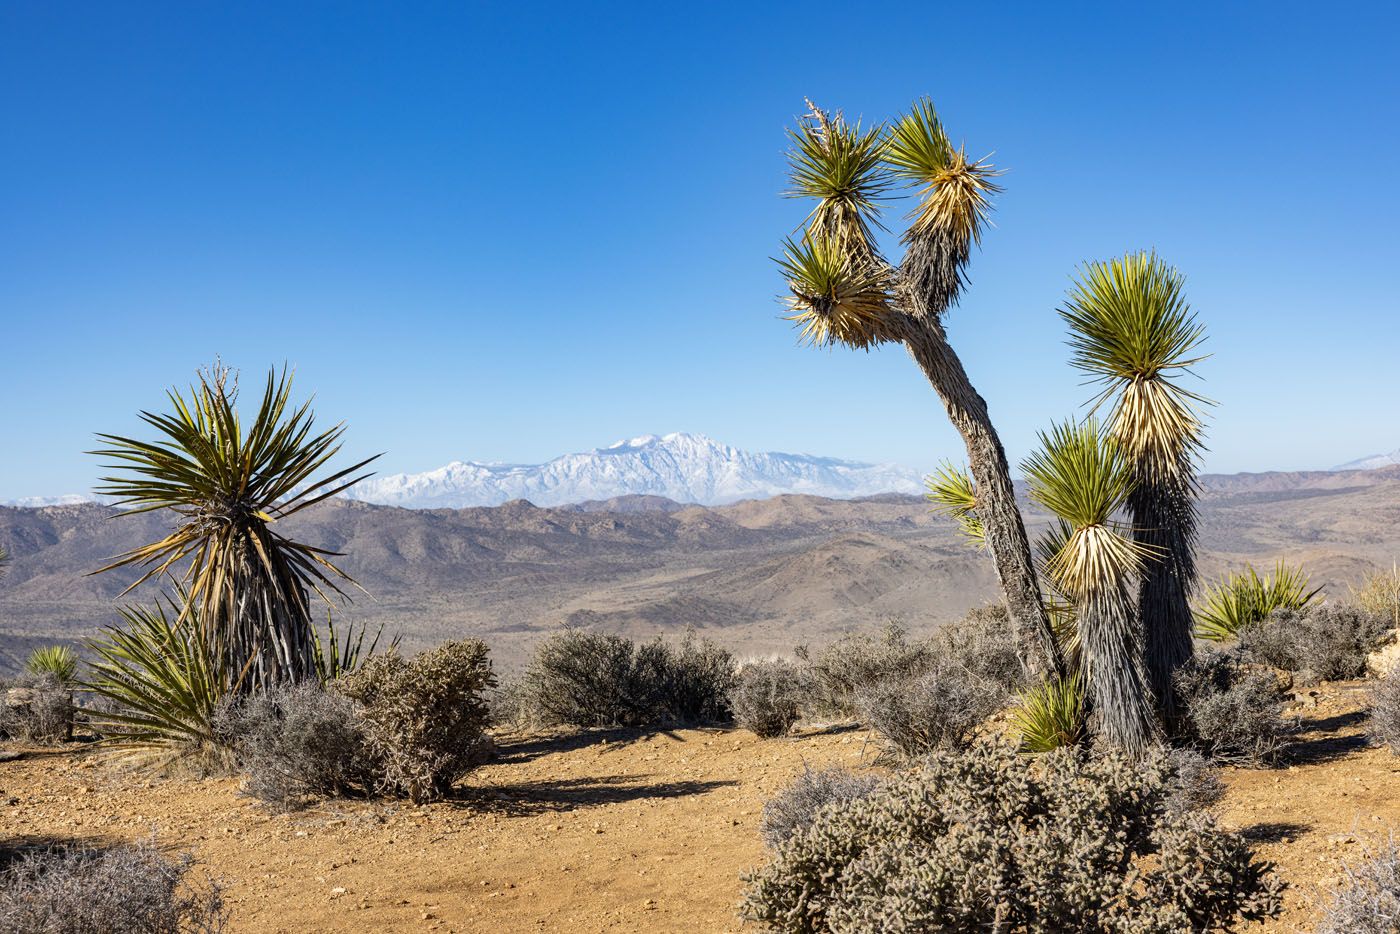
x: 507, y: 231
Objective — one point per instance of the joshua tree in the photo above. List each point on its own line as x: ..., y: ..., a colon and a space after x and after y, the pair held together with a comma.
x: 845, y: 292
x: 1132, y: 331
x: 243, y: 582
x: 1084, y: 478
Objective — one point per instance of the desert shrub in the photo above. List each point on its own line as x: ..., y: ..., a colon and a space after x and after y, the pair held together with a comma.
x: 1326, y: 643
x: 120, y: 890
x: 508, y: 704
x: 297, y: 743
x: 591, y: 679
x: 57, y: 660
x: 1233, y: 713
x: 796, y: 806
x: 1379, y: 593
x: 767, y: 697
x: 1368, y: 901
x: 860, y: 659
x: 987, y: 839
x: 36, y: 708
x: 938, y: 709
x: 1195, y: 783
x: 1384, y: 724
x: 423, y: 718
x: 1242, y: 600
x: 1051, y: 715
x: 983, y: 644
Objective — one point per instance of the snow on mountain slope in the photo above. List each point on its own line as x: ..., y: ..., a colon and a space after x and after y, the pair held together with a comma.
x: 1374, y: 462
x: 683, y: 467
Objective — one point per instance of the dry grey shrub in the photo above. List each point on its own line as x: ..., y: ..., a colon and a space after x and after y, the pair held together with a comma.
x: 1234, y: 713
x: 298, y: 743
x: 989, y: 840
x: 589, y: 679
x: 982, y: 644
x: 423, y: 718
x: 1322, y: 643
x: 859, y: 659
x: 1384, y: 725
x: 797, y: 805
x: 767, y: 697
x: 122, y: 890
x: 1195, y: 783
x: 938, y: 709
x: 36, y: 709
x: 508, y: 704
x: 1368, y: 901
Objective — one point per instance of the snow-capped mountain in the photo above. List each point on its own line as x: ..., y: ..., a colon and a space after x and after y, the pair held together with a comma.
x: 1374, y: 462
x: 683, y: 467
x: 67, y: 499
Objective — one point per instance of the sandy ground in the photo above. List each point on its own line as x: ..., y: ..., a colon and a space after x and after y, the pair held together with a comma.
x: 611, y: 831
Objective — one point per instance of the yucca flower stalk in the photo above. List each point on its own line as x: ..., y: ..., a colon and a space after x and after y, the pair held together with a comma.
x: 1133, y: 332
x: 843, y: 291
x: 228, y: 484
x: 1084, y: 478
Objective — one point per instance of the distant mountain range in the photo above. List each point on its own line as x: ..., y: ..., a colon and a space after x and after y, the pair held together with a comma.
x: 1374, y: 462
x: 686, y: 468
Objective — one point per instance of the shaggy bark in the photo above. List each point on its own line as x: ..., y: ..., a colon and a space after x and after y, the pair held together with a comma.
x: 1164, y: 519
x: 1111, y: 649
x: 927, y: 343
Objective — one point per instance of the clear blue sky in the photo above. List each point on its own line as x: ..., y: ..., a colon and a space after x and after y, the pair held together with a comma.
x: 506, y: 231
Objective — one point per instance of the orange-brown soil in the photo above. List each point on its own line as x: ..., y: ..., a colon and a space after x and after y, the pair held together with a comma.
x: 610, y: 831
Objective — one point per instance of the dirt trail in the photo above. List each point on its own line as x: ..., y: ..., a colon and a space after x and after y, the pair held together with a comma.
x: 609, y: 832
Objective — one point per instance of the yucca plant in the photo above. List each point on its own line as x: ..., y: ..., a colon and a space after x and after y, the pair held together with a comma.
x: 59, y: 661
x: 337, y: 656
x: 1246, y: 598
x: 952, y: 493
x: 164, y: 679
x: 1084, y: 478
x: 228, y: 483
x: 845, y: 292
x: 1051, y: 715
x: 1133, y: 332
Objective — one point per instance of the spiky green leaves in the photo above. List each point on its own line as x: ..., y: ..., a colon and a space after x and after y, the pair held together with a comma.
x: 955, y: 198
x: 839, y: 166
x: 1244, y: 599
x: 836, y: 298
x: 954, y: 495
x: 1051, y: 715
x: 1084, y: 478
x: 57, y: 660
x: 1132, y: 331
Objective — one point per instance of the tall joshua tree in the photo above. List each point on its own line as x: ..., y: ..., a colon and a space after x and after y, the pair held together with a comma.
x: 1132, y: 331
x: 229, y: 483
x: 845, y: 292
x: 1084, y: 478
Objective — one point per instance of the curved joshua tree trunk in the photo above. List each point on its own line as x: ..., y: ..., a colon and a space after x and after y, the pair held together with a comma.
x: 926, y: 342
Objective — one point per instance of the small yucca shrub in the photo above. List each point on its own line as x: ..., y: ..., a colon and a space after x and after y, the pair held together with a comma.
x: 57, y: 660
x: 1244, y: 599
x: 1051, y: 715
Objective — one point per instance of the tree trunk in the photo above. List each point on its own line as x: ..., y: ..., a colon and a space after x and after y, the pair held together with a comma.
x: 1110, y: 642
x: 996, y: 498
x: 1164, y: 519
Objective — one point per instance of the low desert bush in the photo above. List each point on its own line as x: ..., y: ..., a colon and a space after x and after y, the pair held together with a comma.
x: 988, y: 839
x: 1368, y: 901
x: 859, y: 659
x: 590, y: 679
x: 939, y: 709
x: 36, y: 708
x: 1323, y: 643
x: 796, y: 806
x: 297, y: 743
x: 121, y: 890
x: 982, y: 643
x: 423, y: 718
x: 1234, y: 713
x: 1195, y: 783
x: 508, y: 704
x: 1384, y: 724
x: 1380, y: 593
x: 767, y: 697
